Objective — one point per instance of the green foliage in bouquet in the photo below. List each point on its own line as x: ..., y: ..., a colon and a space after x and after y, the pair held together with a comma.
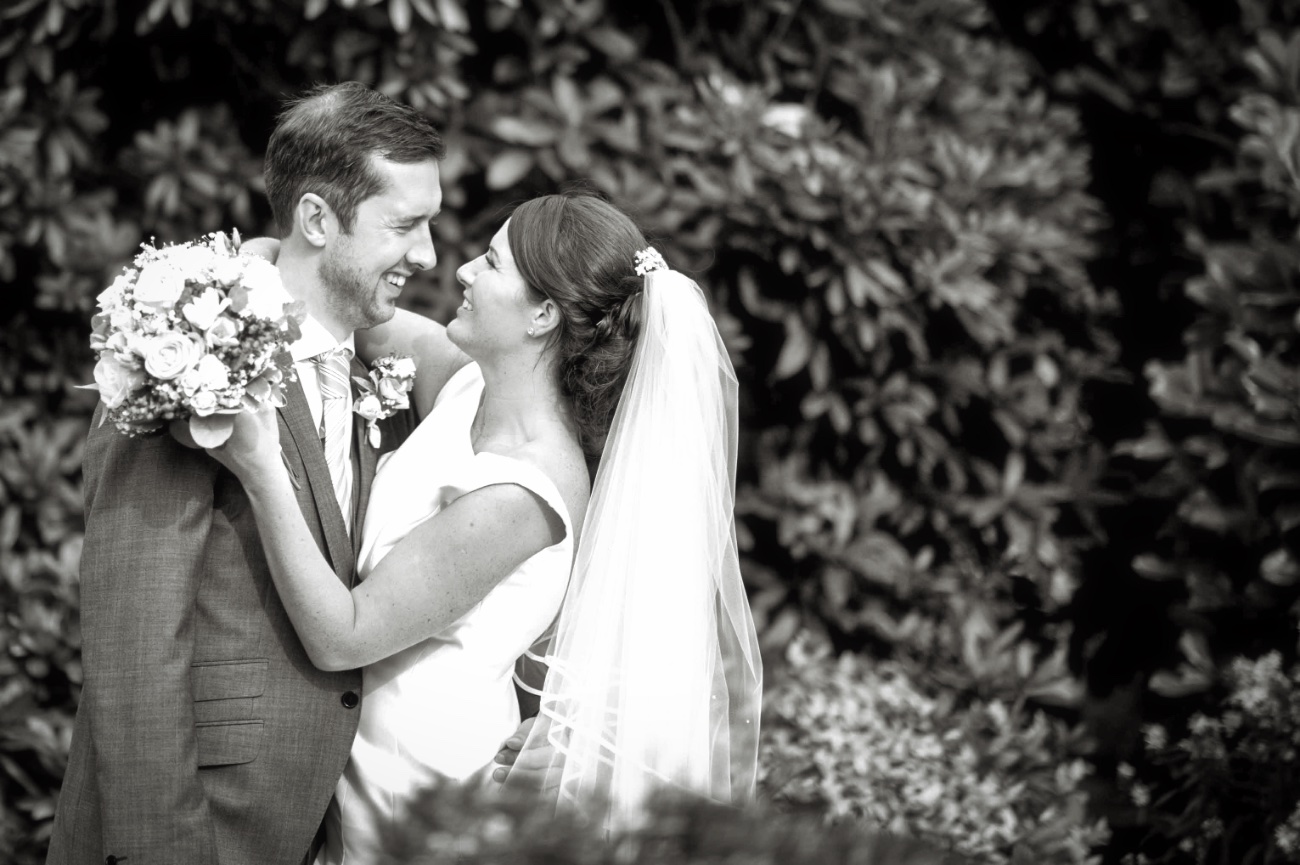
x: 880, y: 745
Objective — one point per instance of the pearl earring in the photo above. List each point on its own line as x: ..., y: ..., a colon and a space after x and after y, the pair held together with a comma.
x: 530, y: 331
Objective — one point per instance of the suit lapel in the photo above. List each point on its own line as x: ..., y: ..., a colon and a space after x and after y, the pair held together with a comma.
x: 297, y: 420
x: 363, y: 468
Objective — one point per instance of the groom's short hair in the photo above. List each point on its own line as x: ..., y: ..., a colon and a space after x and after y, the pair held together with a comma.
x: 324, y: 142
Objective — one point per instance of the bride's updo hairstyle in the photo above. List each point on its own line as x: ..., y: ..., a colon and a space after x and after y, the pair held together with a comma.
x: 579, y: 251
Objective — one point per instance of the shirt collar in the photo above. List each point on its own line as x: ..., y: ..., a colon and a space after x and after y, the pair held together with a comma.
x: 316, y: 339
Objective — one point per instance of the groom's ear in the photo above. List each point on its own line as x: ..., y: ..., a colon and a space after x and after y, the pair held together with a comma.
x: 313, y: 218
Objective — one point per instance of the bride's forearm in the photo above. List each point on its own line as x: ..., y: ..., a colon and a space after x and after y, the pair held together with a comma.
x: 319, y: 605
x: 405, y: 333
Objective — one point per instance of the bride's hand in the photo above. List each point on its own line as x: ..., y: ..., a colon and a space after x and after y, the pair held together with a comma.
x: 253, y: 450
x: 262, y: 247
x: 525, y: 761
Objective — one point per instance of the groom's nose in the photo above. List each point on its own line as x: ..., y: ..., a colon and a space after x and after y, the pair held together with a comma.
x: 422, y: 254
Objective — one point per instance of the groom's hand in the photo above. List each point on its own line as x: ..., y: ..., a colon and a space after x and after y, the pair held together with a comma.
x: 510, y: 749
x: 526, y: 767
x: 252, y: 450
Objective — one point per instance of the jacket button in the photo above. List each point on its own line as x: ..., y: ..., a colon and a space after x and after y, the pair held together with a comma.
x: 349, y: 699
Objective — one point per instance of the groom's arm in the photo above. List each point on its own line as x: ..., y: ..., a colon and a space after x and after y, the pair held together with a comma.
x: 148, y: 513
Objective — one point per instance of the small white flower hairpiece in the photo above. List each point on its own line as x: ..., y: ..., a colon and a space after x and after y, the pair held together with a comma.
x: 649, y: 260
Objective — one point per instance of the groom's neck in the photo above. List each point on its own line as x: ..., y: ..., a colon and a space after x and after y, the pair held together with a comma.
x: 300, y: 273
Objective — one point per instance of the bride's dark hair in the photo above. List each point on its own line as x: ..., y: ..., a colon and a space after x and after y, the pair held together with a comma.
x: 578, y: 250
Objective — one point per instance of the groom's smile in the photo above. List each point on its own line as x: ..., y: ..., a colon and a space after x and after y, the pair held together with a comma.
x: 391, y: 238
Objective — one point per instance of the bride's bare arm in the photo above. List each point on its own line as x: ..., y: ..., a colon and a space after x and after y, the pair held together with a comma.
x: 409, y: 333
x: 436, y: 574
x: 436, y: 358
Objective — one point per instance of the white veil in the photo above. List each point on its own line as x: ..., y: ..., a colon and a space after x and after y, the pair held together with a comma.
x: 654, y: 679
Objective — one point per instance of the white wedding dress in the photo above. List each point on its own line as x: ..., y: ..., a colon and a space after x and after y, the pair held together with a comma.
x: 443, y: 706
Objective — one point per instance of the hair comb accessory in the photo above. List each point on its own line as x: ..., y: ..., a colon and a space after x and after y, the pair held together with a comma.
x: 649, y: 260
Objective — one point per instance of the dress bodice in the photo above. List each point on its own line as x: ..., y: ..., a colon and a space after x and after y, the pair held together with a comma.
x: 445, y: 705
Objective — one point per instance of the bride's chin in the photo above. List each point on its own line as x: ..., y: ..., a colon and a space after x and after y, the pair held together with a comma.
x: 454, y: 335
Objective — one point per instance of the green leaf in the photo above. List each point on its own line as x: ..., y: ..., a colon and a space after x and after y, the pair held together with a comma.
x: 399, y: 13
x: 508, y: 167
x: 453, y: 16
x: 211, y: 431
x: 531, y: 133
x: 567, y: 99
x: 1280, y: 568
x: 613, y: 43
x: 795, y: 351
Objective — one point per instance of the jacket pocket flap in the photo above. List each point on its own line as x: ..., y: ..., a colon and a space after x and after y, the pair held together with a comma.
x: 228, y: 743
x: 224, y: 680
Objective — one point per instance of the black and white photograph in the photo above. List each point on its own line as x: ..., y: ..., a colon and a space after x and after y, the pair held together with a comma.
x: 520, y: 432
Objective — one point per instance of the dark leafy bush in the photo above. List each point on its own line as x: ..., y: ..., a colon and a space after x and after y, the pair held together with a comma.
x: 1228, y: 787
x: 1225, y: 459
x: 1192, y: 111
x: 889, y: 212
x: 881, y: 745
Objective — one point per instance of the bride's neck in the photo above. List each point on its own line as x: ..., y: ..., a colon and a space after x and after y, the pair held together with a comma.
x: 518, y: 402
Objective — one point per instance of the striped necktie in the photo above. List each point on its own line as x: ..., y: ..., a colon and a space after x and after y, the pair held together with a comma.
x: 332, y: 369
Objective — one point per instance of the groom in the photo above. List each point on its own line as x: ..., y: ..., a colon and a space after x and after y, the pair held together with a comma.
x: 204, y: 734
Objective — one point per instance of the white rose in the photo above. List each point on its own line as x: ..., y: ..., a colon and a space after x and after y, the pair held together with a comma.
x: 266, y: 294
x: 393, y: 391
x: 112, y: 296
x: 159, y: 285
x: 154, y: 325
x: 133, y: 347
x: 121, y: 319
x: 116, y: 381
x: 212, y: 373
x: 203, y: 402
x: 191, y: 380
x: 228, y: 271
x: 190, y: 259
x: 203, y: 310
x: 127, y: 347
x: 224, y: 331
x: 116, y: 343
x: 369, y: 407
x: 169, y: 355
x: 404, y: 367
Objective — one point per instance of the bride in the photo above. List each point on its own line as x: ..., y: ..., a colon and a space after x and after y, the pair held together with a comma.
x: 576, y: 352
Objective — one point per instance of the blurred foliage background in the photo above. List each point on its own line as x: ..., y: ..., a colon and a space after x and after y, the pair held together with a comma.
x: 1013, y: 292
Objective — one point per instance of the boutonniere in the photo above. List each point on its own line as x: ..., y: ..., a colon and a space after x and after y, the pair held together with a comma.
x: 385, y: 392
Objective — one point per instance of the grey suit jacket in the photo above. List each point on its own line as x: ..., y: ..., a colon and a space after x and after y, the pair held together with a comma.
x: 204, y: 735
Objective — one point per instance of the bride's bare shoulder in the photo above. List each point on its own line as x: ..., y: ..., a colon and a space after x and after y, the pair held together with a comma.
x: 562, y: 462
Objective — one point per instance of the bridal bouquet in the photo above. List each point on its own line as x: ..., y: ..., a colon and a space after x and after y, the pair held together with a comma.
x: 194, y: 331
